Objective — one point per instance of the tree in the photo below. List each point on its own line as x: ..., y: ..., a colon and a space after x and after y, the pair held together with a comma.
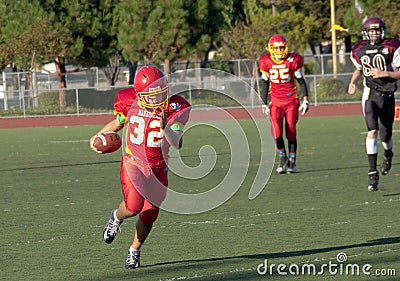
x: 205, y: 20
x: 130, y: 23
x: 27, y: 28
x: 248, y: 40
x: 29, y: 35
x: 93, y: 41
x: 157, y: 30
x: 60, y: 31
x: 386, y: 10
x: 166, y: 31
x: 99, y: 39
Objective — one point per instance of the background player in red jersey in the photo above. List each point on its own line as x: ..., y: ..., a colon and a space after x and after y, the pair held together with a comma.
x: 377, y: 59
x: 153, y: 122
x: 279, y: 69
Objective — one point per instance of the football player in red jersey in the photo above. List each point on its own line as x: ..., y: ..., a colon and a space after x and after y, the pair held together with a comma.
x: 154, y: 122
x: 279, y: 69
x: 377, y: 59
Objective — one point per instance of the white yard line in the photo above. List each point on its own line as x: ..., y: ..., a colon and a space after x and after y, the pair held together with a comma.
x: 68, y: 141
x: 394, y: 131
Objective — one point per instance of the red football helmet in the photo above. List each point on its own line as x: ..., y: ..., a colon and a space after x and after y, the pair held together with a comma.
x: 151, y: 86
x: 278, y: 47
x: 374, y: 23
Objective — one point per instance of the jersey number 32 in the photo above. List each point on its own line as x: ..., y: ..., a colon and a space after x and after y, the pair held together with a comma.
x: 138, y: 130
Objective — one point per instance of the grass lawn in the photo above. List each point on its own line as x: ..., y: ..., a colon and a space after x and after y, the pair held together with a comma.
x: 56, y: 195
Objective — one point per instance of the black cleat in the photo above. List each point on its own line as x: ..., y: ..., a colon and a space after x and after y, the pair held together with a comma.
x: 373, y: 181
x: 386, y: 164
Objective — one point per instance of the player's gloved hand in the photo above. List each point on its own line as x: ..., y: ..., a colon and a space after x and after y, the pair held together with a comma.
x: 91, y: 144
x: 304, y: 107
x: 265, y: 109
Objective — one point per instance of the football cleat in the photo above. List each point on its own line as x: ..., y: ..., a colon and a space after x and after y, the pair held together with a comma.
x: 111, y: 228
x: 282, y: 165
x: 133, y: 259
x: 386, y: 164
x: 373, y: 181
x: 291, y: 167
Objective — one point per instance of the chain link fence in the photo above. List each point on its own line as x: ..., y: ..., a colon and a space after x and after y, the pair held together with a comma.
x: 21, y: 93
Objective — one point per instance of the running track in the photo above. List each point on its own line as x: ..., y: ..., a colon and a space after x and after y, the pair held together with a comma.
x: 320, y: 110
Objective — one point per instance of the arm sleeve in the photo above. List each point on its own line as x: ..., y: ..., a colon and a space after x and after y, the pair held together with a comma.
x: 302, y: 87
x: 264, y: 89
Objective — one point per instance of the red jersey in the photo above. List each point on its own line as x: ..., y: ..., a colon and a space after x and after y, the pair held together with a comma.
x: 144, y: 138
x: 281, y: 76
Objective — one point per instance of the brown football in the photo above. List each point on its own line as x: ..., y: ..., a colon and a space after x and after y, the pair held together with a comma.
x: 107, y: 142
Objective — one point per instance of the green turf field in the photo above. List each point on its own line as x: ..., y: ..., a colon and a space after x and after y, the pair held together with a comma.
x: 56, y: 195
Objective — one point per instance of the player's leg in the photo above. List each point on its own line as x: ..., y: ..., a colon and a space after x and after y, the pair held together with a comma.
x: 292, y: 157
x: 371, y: 143
x: 157, y: 183
x: 131, y: 205
x: 292, y: 117
x: 277, y: 117
x: 386, y: 132
x: 283, y: 160
x: 144, y: 225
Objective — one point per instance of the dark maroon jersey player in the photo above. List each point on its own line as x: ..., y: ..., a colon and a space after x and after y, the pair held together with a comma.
x: 279, y: 71
x: 377, y: 60
x: 153, y: 122
x: 365, y: 57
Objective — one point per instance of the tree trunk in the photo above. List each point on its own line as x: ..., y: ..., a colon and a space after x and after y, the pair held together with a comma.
x: 112, y: 71
x: 254, y: 82
x: 132, y: 66
x: 348, y: 67
x: 317, y: 66
x: 167, y: 66
x: 62, y: 83
x: 91, y: 77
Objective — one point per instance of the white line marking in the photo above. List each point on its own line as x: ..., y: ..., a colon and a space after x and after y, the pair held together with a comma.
x: 394, y: 131
x: 69, y: 141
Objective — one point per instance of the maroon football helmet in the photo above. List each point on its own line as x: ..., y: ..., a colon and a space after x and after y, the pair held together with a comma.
x: 374, y: 23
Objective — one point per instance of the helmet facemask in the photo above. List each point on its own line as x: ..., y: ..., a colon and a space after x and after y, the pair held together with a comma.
x: 279, y: 52
x: 155, y: 99
x: 278, y: 48
x: 376, y: 24
x: 375, y: 38
x: 152, y: 89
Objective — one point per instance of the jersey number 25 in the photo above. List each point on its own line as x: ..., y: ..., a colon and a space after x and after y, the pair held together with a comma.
x: 281, y: 75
